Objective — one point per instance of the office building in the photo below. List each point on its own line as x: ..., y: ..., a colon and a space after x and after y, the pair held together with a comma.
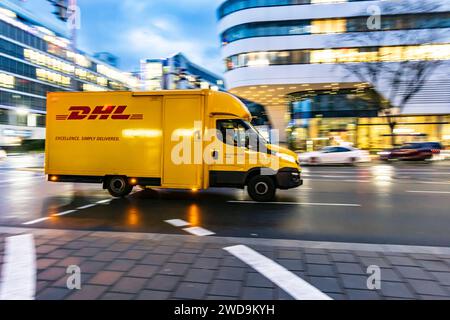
x: 290, y: 56
x: 177, y: 72
x: 36, y: 58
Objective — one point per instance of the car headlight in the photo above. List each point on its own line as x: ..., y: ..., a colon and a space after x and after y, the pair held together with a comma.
x: 286, y: 157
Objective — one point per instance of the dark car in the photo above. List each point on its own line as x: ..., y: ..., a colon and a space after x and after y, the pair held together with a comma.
x: 416, y: 151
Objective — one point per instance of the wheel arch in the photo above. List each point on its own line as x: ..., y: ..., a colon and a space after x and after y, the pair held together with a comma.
x: 257, y: 172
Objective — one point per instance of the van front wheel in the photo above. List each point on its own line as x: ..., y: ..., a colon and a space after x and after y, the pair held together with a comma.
x: 261, y: 188
x: 119, y: 187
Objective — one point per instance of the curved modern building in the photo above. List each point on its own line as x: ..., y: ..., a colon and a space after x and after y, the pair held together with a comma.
x: 291, y: 57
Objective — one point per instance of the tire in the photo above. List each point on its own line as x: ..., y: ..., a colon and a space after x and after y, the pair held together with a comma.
x: 352, y: 161
x: 261, y: 188
x: 118, y: 186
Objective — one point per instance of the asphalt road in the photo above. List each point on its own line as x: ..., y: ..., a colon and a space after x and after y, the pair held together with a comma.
x: 403, y: 203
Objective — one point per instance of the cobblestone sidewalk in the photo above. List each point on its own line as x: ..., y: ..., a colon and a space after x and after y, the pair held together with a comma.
x: 152, y: 266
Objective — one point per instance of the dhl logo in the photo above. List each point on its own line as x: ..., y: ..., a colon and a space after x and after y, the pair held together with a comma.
x: 100, y: 113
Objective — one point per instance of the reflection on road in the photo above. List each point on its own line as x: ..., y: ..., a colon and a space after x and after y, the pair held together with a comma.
x: 393, y: 204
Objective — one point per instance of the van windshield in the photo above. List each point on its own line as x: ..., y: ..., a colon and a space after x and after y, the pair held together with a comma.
x: 260, y: 136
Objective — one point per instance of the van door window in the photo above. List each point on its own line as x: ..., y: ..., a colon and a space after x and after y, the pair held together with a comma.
x: 231, y: 132
x: 239, y: 133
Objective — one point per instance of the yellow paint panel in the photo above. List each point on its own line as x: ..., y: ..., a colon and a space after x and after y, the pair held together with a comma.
x: 183, y: 125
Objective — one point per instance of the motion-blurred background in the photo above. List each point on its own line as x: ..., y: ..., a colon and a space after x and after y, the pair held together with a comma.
x: 371, y: 75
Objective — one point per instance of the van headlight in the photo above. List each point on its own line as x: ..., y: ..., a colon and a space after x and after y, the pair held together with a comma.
x: 286, y: 157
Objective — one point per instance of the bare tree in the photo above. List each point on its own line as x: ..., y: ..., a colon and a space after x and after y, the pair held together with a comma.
x: 404, y: 78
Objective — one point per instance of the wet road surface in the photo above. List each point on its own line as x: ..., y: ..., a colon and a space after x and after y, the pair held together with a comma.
x: 403, y: 203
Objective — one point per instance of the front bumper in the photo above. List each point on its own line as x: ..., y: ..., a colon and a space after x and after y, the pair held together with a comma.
x: 288, y: 178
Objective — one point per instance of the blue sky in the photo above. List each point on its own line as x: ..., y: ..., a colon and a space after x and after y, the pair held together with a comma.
x: 135, y: 29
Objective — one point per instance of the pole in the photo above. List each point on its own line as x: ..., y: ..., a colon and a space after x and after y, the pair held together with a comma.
x: 73, y: 23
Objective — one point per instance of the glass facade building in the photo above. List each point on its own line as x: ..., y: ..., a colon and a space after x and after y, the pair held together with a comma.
x: 35, y: 60
x: 177, y: 72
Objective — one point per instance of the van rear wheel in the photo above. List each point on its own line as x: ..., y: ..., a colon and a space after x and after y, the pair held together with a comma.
x: 262, y: 188
x: 119, y: 187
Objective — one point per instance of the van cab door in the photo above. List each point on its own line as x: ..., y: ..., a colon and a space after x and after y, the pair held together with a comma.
x: 233, y: 154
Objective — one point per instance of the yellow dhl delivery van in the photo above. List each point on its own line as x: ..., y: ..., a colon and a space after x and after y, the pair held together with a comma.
x: 180, y: 139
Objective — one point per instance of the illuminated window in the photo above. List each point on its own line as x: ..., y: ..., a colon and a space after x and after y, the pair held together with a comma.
x: 91, y: 87
x: 126, y: 78
x: 342, y: 55
x: 323, y: 56
x: 6, y: 80
x: 329, y: 26
x: 102, y: 81
x: 52, y: 77
x: 48, y: 61
x: 258, y: 59
x: 391, y: 54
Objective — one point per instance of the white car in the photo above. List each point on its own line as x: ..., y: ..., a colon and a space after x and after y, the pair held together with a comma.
x: 335, y: 155
x: 2, y: 154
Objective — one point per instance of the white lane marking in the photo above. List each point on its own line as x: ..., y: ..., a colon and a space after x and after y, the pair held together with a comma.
x: 371, y: 181
x: 286, y: 280
x: 64, y: 213
x: 299, y: 203
x: 431, y: 182
x: 332, y: 172
x: 19, y: 269
x: 333, y: 176
x: 430, y: 173
x: 177, y: 222
x: 36, y: 221
x: 426, y: 191
x: 21, y: 179
x: 86, y: 206
x: 199, y: 231
x: 106, y: 201
x: 369, y: 172
x: 340, y: 180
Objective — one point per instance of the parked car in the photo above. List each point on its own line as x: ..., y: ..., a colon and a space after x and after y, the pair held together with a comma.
x: 2, y: 154
x: 416, y: 151
x: 335, y: 155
